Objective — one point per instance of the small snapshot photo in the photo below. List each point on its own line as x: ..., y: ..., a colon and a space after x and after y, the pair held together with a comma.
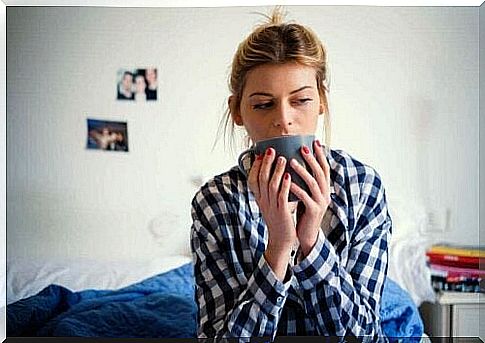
x: 137, y: 84
x: 107, y: 135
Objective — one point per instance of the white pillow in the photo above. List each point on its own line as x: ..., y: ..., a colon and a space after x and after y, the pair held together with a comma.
x: 28, y: 277
x: 171, y: 233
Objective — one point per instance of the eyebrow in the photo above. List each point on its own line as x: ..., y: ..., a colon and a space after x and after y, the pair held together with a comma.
x: 292, y: 92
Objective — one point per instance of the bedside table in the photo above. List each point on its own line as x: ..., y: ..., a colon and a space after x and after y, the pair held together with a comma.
x: 455, y: 314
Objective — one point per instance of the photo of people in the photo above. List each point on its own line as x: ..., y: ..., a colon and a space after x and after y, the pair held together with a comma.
x: 137, y: 84
x: 107, y: 135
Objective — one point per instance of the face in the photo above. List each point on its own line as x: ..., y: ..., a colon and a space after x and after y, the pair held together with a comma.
x: 140, y: 84
x: 151, y: 75
x: 278, y: 100
x: 127, y: 81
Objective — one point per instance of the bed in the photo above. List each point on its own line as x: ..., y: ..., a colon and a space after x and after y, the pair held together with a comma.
x: 135, y: 299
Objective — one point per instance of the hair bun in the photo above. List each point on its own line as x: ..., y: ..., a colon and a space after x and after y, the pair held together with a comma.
x: 277, y: 16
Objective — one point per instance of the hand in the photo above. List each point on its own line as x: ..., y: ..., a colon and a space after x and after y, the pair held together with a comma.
x: 316, y: 204
x: 271, y: 194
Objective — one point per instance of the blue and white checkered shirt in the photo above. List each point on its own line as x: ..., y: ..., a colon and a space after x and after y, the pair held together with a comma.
x: 334, y: 291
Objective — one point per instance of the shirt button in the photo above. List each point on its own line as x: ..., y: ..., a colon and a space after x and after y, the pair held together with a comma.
x: 279, y: 299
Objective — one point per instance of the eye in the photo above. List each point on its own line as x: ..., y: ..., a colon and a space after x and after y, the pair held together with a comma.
x: 263, y: 105
x: 303, y: 101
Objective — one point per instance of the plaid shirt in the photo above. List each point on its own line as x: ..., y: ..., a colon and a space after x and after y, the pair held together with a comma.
x: 335, y: 290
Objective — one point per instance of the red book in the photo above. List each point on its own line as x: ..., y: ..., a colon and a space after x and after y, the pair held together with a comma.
x: 456, y: 261
x: 455, y: 271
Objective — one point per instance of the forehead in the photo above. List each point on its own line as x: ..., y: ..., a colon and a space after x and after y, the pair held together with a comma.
x: 279, y: 78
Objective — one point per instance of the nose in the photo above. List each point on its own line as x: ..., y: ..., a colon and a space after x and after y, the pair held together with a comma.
x: 283, y: 118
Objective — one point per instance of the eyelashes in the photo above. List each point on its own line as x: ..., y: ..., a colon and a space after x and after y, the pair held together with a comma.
x: 304, y: 101
x: 270, y: 104
x: 262, y: 106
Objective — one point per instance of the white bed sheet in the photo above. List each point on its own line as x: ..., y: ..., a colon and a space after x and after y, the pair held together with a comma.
x: 28, y: 277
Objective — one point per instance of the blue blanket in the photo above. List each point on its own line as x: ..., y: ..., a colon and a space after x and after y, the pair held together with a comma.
x: 160, y: 306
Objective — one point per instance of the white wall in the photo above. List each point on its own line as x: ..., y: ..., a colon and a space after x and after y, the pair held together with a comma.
x: 3, y: 188
x: 404, y: 98
x: 482, y: 123
x: 481, y: 317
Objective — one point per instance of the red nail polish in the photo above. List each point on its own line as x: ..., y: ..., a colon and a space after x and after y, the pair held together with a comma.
x: 306, y: 150
x: 259, y: 157
x: 287, y: 176
x: 318, y: 143
x: 268, y: 152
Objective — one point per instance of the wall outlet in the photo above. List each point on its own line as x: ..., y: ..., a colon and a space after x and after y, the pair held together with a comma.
x: 433, y: 222
x: 437, y: 220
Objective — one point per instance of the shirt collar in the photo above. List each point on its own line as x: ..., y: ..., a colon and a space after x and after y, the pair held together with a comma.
x: 247, y: 162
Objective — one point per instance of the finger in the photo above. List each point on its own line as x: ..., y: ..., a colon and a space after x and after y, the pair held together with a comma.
x: 316, y: 168
x: 275, y: 182
x: 323, y: 182
x: 284, y: 192
x: 254, y: 176
x: 311, y: 182
x: 302, y: 195
x: 322, y: 159
x: 265, y: 172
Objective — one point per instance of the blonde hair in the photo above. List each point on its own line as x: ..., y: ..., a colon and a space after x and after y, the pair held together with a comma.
x: 277, y: 42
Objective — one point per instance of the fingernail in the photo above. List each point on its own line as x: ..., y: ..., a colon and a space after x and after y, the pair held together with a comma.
x: 318, y: 143
x: 306, y: 150
x: 287, y: 176
x: 268, y: 152
x: 259, y: 157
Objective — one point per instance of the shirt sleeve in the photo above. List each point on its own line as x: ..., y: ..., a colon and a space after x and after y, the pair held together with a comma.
x: 230, y: 303
x: 345, y: 299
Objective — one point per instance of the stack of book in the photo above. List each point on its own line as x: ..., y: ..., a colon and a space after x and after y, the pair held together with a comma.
x: 457, y: 268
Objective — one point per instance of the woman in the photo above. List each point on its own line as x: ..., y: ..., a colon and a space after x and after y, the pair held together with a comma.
x: 140, y: 88
x: 265, y: 266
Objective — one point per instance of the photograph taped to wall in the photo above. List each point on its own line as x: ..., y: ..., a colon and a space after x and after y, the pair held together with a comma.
x: 137, y: 84
x: 107, y: 135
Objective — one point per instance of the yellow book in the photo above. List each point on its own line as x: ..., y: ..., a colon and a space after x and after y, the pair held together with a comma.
x: 448, y: 250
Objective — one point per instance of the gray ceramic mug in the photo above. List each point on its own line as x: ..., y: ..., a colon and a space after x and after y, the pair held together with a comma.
x: 288, y: 147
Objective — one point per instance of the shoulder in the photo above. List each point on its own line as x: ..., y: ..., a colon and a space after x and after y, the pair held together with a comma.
x: 346, y: 169
x: 359, y: 190
x: 218, y: 204
x: 221, y: 190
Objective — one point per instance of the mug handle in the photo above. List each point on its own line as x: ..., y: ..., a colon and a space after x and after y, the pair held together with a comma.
x: 240, y: 158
